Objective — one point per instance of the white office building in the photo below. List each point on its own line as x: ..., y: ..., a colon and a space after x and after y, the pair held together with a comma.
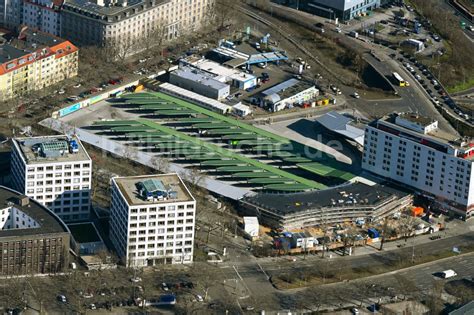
x: 152, y: 220
x: 56, y: 171
x: 200, y: 82
x: 234, y: 77
x: 409, y: 149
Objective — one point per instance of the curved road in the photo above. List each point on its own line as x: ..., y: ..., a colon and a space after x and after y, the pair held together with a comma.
x: 413, y: 98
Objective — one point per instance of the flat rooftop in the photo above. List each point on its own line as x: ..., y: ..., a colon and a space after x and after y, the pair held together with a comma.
x: 47, y: 220
x: 221, y: 73
x: 357, y: 194
x: 134, y: 7
x: 29, y: 150
x: 288, y: 88
x: 129, y: 188
x: 416, y: 118
x: 200, y: 77
x: 436, y: 136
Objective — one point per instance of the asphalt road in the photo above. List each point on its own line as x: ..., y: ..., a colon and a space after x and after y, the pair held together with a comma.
x: 254, y: 275
x: 445, y: 5
x: 413, y: 98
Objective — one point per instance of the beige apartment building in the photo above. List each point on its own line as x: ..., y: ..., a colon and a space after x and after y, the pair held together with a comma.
x: 34, y: 61
x: 129, y: 23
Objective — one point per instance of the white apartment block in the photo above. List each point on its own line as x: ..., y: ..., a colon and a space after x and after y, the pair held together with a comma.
x: 42, y: 15
x: 128, y: 23
x: 410, y: 150
x: 152, y: 220
x: 56, y: 171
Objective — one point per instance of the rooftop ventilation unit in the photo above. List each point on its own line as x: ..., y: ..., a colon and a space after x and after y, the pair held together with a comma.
x: 152, y: 189
x: 52, y: 149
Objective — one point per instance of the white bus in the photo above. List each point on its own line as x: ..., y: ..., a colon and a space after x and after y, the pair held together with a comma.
x: 400, y: 80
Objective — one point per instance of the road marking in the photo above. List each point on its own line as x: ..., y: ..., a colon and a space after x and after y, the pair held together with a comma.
x: 238, y: 274
x: 268, y: 277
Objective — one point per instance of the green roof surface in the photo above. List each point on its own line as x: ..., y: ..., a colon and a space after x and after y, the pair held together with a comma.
x: 188, y: 151
x: 281, y: 154
x: 223, y: 163
x: 116, y: 123
x: 234, y: 169
x: 212, y: 114
x: 130, y: 128
x: 297, y: 159
x: 341, y: 174
x: 171, y: 145
x: 148, y: 135
x: 259, y: 142
x: 253, y: 175
x: 265, y: 181
x: 174, y: 112
x: 266, y: 148
x: 227, y: 131
x: 249, y: 136
x: 195, y: 120
x: 316, y: 168
x: 203, y: 157
x: 255, y: 165
x: 161, y: 107
x: 215, y: 125
x: 163, y: 141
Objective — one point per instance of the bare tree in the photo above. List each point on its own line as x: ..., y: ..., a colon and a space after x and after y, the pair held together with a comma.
x: 154, y: 38
x: 384, y: 232
x: 220, y: 13
x: 161, y: 164
x: 406, y: 225
x: 194, y: 177
x: 128, y: 153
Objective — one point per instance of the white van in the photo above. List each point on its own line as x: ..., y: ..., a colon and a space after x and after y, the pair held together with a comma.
x: 448, y: 274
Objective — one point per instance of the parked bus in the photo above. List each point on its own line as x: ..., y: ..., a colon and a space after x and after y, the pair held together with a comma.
x: 400, y: 80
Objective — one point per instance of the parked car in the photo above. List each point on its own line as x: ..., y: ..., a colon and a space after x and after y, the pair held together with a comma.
x: 136, y: 279
x: 164, y: 286
x: 61, y: 298
x: 73, y: 98
x: 356, y: 95
x: 448, y: 274
x: 199, y: 298
x: 88, y: 295
x: 78, y: 85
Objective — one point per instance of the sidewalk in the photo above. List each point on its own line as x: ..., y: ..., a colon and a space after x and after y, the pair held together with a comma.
x: 455, y: 228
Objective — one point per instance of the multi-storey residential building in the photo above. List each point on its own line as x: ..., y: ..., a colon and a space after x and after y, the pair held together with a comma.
x: 128, y: 24
x: 342, y: 9
x: 43, y: 15
x: 34, y: 61
x: 56, y: 171
x: 410, y: 149
x: 33, y: 240
x: 152, y: 220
